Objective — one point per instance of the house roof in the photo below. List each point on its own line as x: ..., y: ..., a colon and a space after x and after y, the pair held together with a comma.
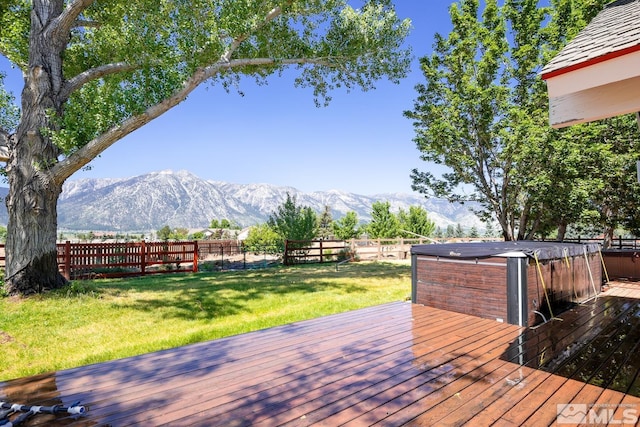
x: 614, y: 32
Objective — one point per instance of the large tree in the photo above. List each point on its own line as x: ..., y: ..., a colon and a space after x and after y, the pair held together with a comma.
x: 416, y: 222
x: 384, y: 224
x: 294, y: 222
x: 483, y: 114
x: 97, y: 71
x: 347, y: 227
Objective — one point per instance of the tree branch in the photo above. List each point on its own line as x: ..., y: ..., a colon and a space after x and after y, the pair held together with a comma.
x: 273, y: 14
x: 67, y: 19
x: 95, y: 73
x: 86, y: 24
x: 66, y: 167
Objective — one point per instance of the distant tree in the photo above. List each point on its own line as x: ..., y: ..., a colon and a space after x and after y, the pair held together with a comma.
x: 164, y: 233
x: 473, y: 232
x: 198, y: 235
x: 346, y: 228
x: 489, y: 231
x: 459, y: 230
x: 294, y: 222
x: 262, y: 238
x: 225, y: 223
x: 416, y: 222
x: 214, y: 223
x: 324, y: 223
x: 451, y: 232
x: 179, y: 233
x: 384, y: 224
x: 438, y: 233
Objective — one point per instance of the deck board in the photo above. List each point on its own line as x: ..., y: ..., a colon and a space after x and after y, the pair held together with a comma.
x: 393, y: 364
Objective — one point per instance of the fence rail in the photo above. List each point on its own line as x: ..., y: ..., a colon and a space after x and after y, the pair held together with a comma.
x: 302, y: 251
x: 616, y: 243
x: 219, y: 248
x: 310, y: 251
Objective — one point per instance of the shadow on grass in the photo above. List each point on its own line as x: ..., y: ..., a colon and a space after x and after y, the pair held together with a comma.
x: 215, y: 295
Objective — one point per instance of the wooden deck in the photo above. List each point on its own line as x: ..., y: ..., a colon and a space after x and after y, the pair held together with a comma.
x: 389, y: 365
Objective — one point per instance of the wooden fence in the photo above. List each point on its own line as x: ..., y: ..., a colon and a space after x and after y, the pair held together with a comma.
x: 617, y: 243
x: 98, y: 260
x: 219, y: 248
x: 303, y: 251
x: 313, y: 251
x: 102, y: 260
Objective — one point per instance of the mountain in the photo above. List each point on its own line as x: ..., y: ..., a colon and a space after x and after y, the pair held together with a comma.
x: 181, y: 199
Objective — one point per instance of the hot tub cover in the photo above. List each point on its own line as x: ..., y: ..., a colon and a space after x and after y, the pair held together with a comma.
x: 543, y: 250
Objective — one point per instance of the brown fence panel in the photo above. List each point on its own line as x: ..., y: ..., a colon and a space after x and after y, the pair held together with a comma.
x: 313, y: 251
x: 101, y: 260
x: 219, y: 248
x: 89, y: 260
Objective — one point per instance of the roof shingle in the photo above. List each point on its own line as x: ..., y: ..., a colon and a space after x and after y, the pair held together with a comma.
x: 612, y: 32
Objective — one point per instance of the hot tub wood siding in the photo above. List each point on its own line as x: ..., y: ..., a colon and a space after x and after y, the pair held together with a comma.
x: 479, y: 287
x: 565, y: 284
x: 463, y: 286
x: 622, y: 264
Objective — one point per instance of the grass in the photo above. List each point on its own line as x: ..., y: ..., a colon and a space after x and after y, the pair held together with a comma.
x: 95, y: 321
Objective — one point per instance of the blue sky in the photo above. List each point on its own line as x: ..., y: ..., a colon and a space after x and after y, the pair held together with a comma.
x: 274, y: 134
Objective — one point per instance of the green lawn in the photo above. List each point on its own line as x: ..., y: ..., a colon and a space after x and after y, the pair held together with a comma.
x: 95, y: 321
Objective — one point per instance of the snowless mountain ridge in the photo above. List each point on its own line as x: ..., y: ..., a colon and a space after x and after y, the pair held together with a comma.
x: 181, y: 199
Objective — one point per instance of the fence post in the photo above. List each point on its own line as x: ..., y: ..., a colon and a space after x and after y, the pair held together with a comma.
x: 321, y: 253
x: 195, y: 256
x: 286, y: 252
x: 67, y: 260
x: 143, y: 257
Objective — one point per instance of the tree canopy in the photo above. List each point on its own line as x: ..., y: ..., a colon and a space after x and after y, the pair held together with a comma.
x: 347, y: 227
x: 294, y: 222
x: 96, y: 71
x: 483, y: 113
x: 384, y: 224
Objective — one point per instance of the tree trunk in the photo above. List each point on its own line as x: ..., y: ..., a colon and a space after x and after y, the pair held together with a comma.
x: 31, y: 255
x: 562, y: 231
x: 31, y: 263
x: 608, y: 237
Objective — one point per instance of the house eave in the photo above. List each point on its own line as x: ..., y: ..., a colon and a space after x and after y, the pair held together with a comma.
x: 595, y: 103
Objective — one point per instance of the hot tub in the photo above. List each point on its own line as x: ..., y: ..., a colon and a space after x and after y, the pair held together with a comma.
x: 522, y: 283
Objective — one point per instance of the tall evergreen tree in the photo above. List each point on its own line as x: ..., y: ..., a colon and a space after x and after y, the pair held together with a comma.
x: 324, y: 224
x: 384, y: 224
x: 293, y: 222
